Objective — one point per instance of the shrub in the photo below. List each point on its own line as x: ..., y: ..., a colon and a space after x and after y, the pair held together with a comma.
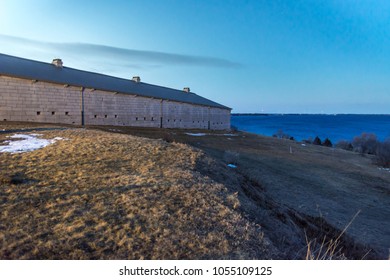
x: 167, y: 137
x: 383, y: 153
x: 367, y: 143
x: 345, y: 145
x: 317, y: 141
x: 308, y: 140
x: 281, y: 135
x: 327, y: 143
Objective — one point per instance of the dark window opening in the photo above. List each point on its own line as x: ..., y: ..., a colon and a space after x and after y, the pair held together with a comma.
x: 144, y: 118
x: 53, y: 113
x: 66, y: 113
x: 168, y: 120
x: 116, y: 116
x: 174, y: 120
x: 152, y: 119
x: 95, y: 116
x: 38, y: 113
x: 136, y: 118
x: 5, y: 120
x: 105, y: 116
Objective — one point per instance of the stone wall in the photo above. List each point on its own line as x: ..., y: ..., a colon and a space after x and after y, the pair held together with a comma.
x: 26, y: 100
x: 36, y: 101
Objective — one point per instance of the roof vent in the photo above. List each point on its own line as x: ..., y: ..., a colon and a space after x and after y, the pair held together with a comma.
x: 57, y: 62
x: 186, y: 89
x: 136, y: 79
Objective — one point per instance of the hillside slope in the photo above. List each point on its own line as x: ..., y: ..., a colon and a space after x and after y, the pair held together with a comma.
x: 98, y: 195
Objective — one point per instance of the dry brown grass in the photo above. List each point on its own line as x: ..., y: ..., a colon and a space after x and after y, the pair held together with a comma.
x: 329, y: 249
x: 108, y: 196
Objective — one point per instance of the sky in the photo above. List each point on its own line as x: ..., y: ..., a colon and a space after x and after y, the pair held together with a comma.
x: 297, y: 56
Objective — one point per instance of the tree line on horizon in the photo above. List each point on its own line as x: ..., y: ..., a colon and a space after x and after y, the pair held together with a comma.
x: 366, y: 143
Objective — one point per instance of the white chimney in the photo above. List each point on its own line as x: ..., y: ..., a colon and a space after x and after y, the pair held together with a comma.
x: 57, y: 62
x: 186, y: 89
x: 136, y: 79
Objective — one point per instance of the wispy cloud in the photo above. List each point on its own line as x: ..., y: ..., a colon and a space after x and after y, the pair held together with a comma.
x: 119, y: 56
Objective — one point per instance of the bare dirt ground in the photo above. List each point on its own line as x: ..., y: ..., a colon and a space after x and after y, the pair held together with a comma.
x: 282, y: 194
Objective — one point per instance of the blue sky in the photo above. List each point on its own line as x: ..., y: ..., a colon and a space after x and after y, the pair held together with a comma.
x: 270, y: 56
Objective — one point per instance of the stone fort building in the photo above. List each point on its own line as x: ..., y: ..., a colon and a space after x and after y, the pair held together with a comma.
x: 34, y: 91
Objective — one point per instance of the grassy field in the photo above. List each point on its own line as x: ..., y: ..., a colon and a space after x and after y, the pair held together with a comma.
x: 99, y: 195
x: 113, y: 195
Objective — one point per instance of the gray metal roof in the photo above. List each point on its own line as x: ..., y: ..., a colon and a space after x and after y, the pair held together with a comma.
x: 47, y: 72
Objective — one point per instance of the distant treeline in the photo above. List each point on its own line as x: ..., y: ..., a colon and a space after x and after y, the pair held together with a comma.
x: 366, y: 143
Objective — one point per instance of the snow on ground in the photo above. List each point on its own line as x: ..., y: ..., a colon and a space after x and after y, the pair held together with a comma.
x: 196, y: 134
x: 29, y: 143
x: 232, y: 165
x: 384, y: 169
x: 204, y: 134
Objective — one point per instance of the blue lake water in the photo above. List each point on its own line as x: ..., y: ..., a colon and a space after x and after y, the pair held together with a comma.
x: 334, y: 127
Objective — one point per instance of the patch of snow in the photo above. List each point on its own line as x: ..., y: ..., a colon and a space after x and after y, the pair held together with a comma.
x: 232, y: 165
x: 303, y: 145
x: 29, y: 143
x: 196, y: 134
x: 384, y: 169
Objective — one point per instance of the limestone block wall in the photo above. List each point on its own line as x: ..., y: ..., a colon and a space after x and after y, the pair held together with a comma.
x: 36, y: 101
x: 26, y: 100
x: 219, y: 118
x: 184, y: 115
x: 108, y: 108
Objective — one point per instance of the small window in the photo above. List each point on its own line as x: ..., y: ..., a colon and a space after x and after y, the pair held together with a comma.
x: 5, y: 120
x: 136, y: 118
x: 144, y: 118
x: 116, y: 116
x: 38, y: 113
x: 152, y: 119
x: 105, y: 116
x: 53, y: 113
x: 66, y: 113
x: 95, y: 116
